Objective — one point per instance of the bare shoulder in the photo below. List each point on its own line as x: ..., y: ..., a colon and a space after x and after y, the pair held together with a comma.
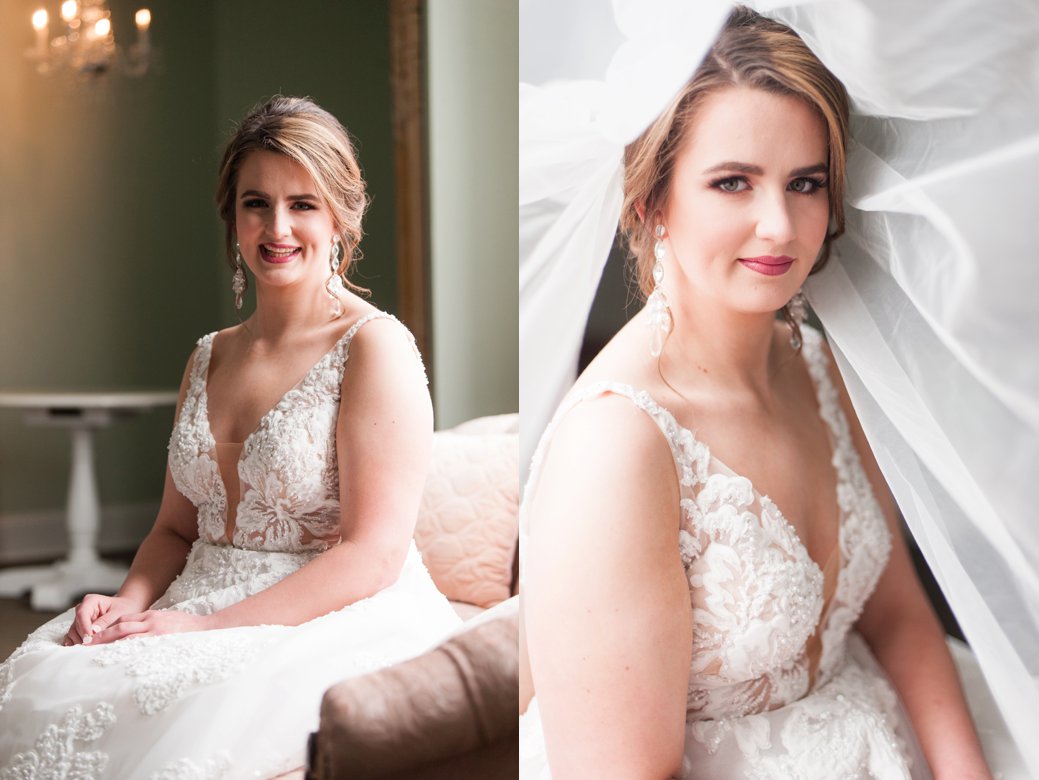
x: 377, y: 331
x: 385, y: 348
x: 608, y: 426
x: 384, y: 377
x: 233, y: 340
x: 607, y: 468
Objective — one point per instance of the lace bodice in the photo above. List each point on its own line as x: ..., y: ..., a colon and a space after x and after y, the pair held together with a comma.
x: 764, y: 632
x: 288, y: 475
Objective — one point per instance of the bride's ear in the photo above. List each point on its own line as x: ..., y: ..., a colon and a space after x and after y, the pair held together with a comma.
x: 640, y: 209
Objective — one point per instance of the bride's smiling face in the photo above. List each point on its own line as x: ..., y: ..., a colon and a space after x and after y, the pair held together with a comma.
x: 283, y: 227
x: 748, y: 207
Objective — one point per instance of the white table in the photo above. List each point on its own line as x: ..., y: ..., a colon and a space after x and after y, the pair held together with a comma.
x: 54, y: 587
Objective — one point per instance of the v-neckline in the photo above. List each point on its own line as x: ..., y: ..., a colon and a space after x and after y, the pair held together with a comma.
x: 231, y: 528
x: 763, y: 500
x: 263, y: 418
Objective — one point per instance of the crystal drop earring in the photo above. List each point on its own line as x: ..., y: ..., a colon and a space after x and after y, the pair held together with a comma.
x: 797, y: 314
x: 238, y: 282
x: 335, y: 284
x: 660, y: 321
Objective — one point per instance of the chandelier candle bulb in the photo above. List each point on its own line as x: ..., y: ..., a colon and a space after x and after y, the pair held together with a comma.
x: 69, y: 11
x: 39, y: 23
x: 143, y: 18
x: 86, y: 45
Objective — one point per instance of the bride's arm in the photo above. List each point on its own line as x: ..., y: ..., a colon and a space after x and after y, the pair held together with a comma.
x: 605, y: 600
x: 159, y: 559
x: 909, y: 642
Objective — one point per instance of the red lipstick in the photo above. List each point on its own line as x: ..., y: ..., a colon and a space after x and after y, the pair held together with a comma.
x: 278, y: 253
x: 769, y: 265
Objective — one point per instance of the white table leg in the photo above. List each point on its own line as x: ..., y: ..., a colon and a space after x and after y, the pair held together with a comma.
x: 83, y: 508
x: 56, y: 587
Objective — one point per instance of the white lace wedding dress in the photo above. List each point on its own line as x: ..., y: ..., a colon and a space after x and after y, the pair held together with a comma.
x: 780, y: 684
x: 226, y: 703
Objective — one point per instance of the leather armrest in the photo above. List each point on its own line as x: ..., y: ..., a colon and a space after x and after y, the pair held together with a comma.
x: 457, y: 699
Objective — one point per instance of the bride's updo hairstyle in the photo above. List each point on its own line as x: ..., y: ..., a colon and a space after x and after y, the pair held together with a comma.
x: 751, y: 51
x: 301, y: 130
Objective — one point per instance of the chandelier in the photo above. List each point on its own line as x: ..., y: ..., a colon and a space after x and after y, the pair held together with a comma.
x: 85, y: 43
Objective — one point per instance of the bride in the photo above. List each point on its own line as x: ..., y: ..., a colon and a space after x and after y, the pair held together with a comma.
x: 739, y: 599
x: 281, y: 559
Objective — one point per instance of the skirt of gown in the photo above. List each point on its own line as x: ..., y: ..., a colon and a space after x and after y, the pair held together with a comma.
x: 229, y: 703
x: 851, y: 728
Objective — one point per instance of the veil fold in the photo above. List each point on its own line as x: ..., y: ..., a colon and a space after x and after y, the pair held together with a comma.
x: 929, y: 301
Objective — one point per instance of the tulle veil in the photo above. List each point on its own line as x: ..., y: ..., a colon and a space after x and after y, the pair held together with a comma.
x: 929, y: 301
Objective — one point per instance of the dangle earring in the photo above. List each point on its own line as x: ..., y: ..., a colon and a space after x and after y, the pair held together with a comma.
x: 796, y: 315
x: 238, y: 282
x: 660, y: 321
x: 335, y: 284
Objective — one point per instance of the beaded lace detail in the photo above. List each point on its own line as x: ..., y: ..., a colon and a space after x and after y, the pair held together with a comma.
x: 62, y: 750
x: 288, y: 473
x: 167, y: 668
x: 756, y: 595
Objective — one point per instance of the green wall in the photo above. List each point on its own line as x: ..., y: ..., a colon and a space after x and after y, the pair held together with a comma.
x: 110, y: 262
x: 474, y: 177
x: 338, y: 54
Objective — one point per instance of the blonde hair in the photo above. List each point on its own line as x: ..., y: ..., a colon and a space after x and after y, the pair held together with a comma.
x: 301, y: 130
x: 750, y: 51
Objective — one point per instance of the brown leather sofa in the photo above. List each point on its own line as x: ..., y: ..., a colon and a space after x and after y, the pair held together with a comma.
x: 451, y: 712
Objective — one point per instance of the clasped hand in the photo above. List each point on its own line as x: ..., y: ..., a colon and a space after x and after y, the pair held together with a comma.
x: 101, y: 619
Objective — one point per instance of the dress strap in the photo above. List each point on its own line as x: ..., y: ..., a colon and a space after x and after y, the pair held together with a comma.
x: 829, y: 402
x: 691, y: 457
x: 347, y: 338
x: 200, y: 365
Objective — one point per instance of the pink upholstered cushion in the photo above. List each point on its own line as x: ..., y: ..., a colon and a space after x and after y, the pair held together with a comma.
x: 467, y: 525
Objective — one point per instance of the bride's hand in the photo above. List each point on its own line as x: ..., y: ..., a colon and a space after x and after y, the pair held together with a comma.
x: 95, y: 613
x: 152, y: 623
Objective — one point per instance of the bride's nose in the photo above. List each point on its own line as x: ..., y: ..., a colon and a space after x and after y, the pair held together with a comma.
x: 278, y: 223
x: 775, y: 223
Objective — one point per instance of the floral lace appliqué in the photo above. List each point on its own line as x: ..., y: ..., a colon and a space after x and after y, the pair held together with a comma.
x: 58, y: 754
x: 288, y: 468
x: 167, y: 668
x: 756, y: 595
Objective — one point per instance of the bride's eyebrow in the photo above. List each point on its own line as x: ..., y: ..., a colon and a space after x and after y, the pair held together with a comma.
x: 809, y: 170
x: 738, y: 167
x: 259, y: 194
x: 757, y: 170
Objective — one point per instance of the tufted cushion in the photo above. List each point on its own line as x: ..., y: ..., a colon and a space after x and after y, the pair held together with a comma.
x: 467, y: 524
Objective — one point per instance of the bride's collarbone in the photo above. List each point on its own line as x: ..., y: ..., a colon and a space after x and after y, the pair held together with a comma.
x: 786, y: 452
x: 244, y: 383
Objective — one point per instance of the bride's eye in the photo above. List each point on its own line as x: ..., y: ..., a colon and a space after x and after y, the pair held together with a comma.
x: 806, y: 185
x: 731, y: 184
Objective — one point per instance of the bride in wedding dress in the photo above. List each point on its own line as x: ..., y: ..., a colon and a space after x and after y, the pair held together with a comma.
x: 281, y: 560
x: 739, y: 601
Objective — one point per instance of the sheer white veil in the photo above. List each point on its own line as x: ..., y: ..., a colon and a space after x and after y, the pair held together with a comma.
x: 930, y: 302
